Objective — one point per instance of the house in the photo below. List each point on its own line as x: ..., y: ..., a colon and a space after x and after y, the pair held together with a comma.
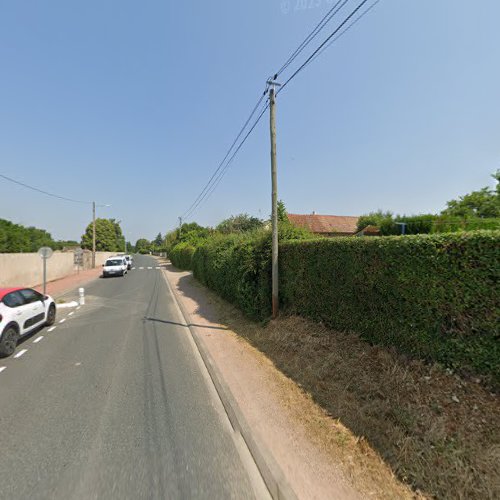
x: 369, y: 231
x: 326, y: 225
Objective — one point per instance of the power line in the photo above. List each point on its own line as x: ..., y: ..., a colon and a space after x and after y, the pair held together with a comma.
x: 222, y: 172
x: 44, y: 192
x: 190, y: 210
x: 363, y: 14
x: 313, y: 55
x: 314, y: 33
x: 224, y: 165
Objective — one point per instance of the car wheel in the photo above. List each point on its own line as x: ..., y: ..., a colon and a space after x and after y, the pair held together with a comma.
x: 51, y: 315
x: 8, y: 343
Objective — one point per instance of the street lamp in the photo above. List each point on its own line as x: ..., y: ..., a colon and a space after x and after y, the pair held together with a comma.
x: 93, y: 231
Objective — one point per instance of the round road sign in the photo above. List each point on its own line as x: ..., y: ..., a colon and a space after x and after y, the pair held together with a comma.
x: 45, y: 252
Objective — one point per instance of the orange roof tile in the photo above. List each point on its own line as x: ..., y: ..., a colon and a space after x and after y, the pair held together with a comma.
x: 325, y: 224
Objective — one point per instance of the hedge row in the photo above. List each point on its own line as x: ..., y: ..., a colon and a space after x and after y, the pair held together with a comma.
x: 431, y: 296
x: 238, y: 269
x: 181, y: 255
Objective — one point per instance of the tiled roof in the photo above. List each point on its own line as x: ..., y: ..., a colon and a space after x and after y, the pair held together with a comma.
x: 325, y: 224
x: 370, y: 230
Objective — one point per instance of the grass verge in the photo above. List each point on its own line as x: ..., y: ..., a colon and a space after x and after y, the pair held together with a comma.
x: 438, y: 432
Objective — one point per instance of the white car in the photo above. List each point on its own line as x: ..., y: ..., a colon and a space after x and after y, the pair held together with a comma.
x: 115, y: 266
x: 130, y: 261
x: 22, y: 310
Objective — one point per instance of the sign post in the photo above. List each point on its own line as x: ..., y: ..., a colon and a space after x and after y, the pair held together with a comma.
x: 45, y: 253
x: 78, y: 259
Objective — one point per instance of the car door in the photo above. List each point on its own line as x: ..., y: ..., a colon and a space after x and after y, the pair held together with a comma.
x: 20, y: 310
x: 35, y: 307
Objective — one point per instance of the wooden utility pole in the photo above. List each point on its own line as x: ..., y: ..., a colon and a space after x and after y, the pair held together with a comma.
x: 274, y: 179
x: 93, y: 234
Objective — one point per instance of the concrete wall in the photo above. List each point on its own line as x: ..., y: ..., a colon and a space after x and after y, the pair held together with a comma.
x: 25, y: 269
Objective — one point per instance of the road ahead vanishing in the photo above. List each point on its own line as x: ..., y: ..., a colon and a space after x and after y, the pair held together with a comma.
x: 116, y: 403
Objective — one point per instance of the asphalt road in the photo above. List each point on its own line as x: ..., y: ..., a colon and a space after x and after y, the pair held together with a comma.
x: 115, y: 403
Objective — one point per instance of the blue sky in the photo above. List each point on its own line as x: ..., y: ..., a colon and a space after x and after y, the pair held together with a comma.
x: 134, y: 104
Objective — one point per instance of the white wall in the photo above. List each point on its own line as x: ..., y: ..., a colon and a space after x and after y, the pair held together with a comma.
x: 25, y: 269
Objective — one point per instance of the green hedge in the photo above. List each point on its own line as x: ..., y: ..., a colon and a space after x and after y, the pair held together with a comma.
x: 238, y: 269
x: 181, y: 255
x: 432, y: 296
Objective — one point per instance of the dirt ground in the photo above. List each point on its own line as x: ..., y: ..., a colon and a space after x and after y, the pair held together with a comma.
x: 373, y: 411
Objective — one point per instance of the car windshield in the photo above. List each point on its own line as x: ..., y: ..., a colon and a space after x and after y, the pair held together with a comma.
x: 114, y: 262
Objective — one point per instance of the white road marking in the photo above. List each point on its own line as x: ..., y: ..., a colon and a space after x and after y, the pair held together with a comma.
x: 20, y: 353
x: 79, y: 307
x: 67, y: 305
x: 150, y: 268
x: 158, y: 267
x: 77, y: 364
x: 133, y: 268
x: 71, y: 313
x: 63, y: 320
x: 2, y: 368
x: 141, y: 268
x: 52, y: 328
x: 38, y: 339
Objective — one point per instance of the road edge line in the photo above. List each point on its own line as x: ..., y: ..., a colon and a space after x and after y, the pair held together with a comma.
x: 274, y: 478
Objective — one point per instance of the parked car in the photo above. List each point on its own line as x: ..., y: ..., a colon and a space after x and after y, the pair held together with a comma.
x: 22, y: 310
x: 130, y: 261
x: 115, y: 266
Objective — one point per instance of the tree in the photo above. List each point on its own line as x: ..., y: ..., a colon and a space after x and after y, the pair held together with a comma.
x: 282, y: 213
x: 17, y: 238
x: 241, y: 223
x: 109, y: 237
x: 143, y: 246
x: 483, y: 203
x: 158, y: 241
x: 379, y: 219
x: 120, y: 239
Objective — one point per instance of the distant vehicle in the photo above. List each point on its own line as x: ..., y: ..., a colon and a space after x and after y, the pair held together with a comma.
x: 22, y: 310
x: 115, y: 266
x: 130, y: 261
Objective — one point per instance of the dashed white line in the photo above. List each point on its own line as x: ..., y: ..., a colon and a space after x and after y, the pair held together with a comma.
x: 141, y: 268
x: 158, y: 267
x: 150, y: 268
x: 133, y: 268
x: 20, y: 353
x: 2, y: 368
x: 79, y: 307
x: 38, y: 339
x: 71, y: 313
x: 52, y: 328
x: 63, y: 320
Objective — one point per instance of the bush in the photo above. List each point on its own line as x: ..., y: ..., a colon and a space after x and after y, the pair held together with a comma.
x: 431, y: 296
x: 181, y: 255
x: 238, y: 269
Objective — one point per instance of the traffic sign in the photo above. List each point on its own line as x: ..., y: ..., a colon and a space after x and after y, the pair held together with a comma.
x: 45, y: 252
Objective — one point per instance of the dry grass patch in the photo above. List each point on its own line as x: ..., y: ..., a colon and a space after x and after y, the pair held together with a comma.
x: 438, y: 432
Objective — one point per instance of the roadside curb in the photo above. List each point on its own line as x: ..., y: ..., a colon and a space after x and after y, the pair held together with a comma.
x: 276, y: 482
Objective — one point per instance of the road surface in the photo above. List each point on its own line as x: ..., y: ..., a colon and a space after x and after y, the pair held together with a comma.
x: 115, y: 403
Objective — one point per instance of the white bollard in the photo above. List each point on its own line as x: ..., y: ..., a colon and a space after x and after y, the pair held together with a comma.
x: 81, y: 292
